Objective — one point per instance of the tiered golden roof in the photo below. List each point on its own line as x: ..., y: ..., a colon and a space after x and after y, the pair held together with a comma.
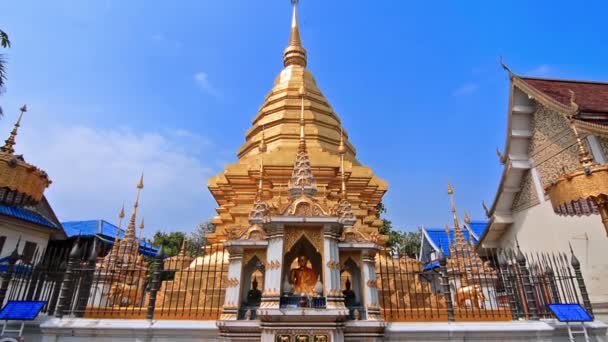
x: 294, y: 98
x: 21, y: 183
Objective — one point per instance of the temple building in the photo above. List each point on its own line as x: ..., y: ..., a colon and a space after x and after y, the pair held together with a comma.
x: 26, y: 217
x: 557, y: 134
x: 297, y: 254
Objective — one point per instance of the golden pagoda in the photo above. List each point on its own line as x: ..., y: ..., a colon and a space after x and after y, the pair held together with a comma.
x: 21, y: 183
x: 277, y: 127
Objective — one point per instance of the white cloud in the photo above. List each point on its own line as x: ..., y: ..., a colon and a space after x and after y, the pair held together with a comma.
x: 202, y: 79
x: 541, y: 70
x: 95, y: 171
x: 465, y: 89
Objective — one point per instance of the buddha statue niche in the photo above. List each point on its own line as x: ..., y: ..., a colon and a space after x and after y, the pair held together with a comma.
x: 254, y: 296
x: 303, y: 278
x: 350, y: 299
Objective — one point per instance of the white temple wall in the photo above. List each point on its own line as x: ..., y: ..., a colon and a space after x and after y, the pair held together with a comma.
x: 539, y: 229
x: 14, y: 231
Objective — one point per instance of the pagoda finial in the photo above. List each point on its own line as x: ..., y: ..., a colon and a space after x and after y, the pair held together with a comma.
x: 584, y: 157
x: 182, y: 249
x: 459, y: 240
x: 302, y: 181
x: 130, y: 231
x: 467, y: 218
x: 10, y: 142
x: 294, y: 54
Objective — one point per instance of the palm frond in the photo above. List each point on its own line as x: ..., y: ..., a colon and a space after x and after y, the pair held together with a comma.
x: 4, y: 41
x: 2, y: 72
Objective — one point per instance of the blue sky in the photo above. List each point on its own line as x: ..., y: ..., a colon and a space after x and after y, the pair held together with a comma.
x: 170, y: 87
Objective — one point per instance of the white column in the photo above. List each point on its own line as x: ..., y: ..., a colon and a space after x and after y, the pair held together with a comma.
x: 272, y: 279
x: 369, y: 285
x: 231, y: 299
x: 327, y: 271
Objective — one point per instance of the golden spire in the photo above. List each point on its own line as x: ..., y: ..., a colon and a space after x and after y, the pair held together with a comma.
x: 584, y: 157
x: 459, y: 240
x: 467, y: 218
x: 342, y: 151
x: 10, y: 142
x: 182, y: 249
x: 294, y: 54
x: 141, y: 227
x: 121, y: 215
x: 130, y: 231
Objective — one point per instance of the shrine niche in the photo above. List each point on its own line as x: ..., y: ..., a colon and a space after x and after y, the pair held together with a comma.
x: 350, y: 281
x: 253, y: 281
x: 303, y: 268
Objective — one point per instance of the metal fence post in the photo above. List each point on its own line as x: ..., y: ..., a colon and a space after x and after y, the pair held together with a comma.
x: 87, y: 281
x: 552, y: 285
x: 508, y: 280
x: 8, y: 275
x: 445, y: 285
x: 581, y: 282
x: 528, y: 290
x: 67, y: 286
x: 155, y: 285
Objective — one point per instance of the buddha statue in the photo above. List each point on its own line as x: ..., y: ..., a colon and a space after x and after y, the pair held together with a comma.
x: 254, y: 296
x: 350, y: 299
x: 303, y: 278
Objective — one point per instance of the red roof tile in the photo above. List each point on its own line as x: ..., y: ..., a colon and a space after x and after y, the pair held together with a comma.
x: 591, y: 97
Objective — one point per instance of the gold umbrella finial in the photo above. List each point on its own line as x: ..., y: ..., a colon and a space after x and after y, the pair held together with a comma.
x: 9, y: 143
x: 294, y: 54
x: 459, y: 239
x: 121, y: 214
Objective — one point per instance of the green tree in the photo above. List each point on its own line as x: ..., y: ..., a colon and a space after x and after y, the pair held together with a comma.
x: 198, y: 238
x: 171, y: 242
x: 403, y: 243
